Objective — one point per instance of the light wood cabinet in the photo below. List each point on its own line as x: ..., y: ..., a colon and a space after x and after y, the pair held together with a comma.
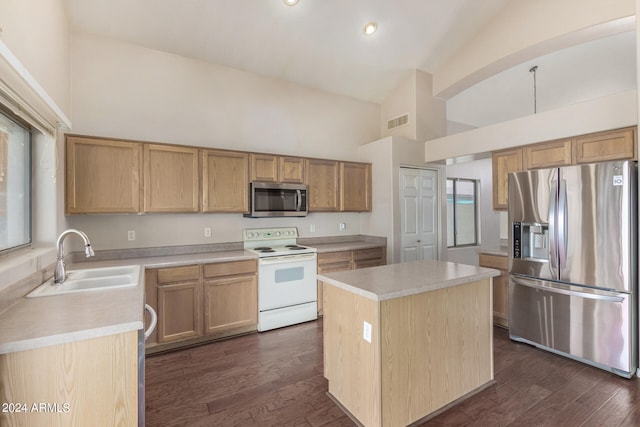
x: 230, y: 298
x: 547, y: 154
x: 504, y: 162
x: 323, y: 180
x: 102, y: 175
x: 225, y: 181
x: 91, y: 382
x: 272, y: 168
x: 179, y: 303
x: 355, y: 188
x: 617, y: 144
x: 500, y: 287
x: 331, y: 262
x: 171, y: 178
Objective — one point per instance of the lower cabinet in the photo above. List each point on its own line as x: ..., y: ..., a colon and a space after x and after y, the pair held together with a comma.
x: 500, y: 287
x: 230, y: 298
x: 331, y: 262
x: 197, y: 303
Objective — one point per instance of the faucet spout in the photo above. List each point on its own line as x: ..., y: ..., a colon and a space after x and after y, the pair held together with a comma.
x: 60, y: 274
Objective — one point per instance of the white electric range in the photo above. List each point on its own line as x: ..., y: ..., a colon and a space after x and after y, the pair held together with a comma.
x: 287, y: 286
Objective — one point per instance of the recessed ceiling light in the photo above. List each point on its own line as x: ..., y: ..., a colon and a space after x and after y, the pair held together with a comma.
x: 370, y: 28
x: 290, y: 2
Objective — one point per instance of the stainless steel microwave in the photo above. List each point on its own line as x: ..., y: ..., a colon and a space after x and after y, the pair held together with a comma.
x: 275, y: 199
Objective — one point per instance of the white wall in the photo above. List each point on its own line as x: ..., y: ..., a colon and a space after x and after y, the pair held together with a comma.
x: 489, y: 219
x: 526, y: 29
x: 127, y: 91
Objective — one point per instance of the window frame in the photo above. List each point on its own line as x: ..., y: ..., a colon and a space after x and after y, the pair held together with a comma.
x: 9, y: 115
x: 476, y: 212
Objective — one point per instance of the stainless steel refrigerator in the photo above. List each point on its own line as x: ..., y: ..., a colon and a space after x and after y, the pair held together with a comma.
x: 573, y: 262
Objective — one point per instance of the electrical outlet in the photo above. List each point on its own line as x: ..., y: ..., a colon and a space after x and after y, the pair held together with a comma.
x: 131, y: 235
x: 207, y: 232
x: 366, y: 331
x: 342, y: 226
x: 313, y: 228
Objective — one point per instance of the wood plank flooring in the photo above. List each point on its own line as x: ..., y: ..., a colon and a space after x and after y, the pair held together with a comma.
x: 275, y: 379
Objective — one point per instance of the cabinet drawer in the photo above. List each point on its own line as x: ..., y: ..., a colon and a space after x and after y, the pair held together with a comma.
x: 178, y: 274
x: 230, y: 268
x: 334, y: 257
x: 494, y: 261
x: 368, y: 254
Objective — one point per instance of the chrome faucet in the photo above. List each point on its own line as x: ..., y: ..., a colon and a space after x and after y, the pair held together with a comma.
x: 60, y: 274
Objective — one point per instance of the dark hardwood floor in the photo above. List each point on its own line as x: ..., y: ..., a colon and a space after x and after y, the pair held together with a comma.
x: 275, y: 379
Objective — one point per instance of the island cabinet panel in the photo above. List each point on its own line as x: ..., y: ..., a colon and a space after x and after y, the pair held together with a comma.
x: 179, y: 303
x: 230, y: 298
x: 225, y: 181
x: 424, y: 351
x: 323, y: 180
x: 604, y: 146
x: 352, y: 364
x: 102, y: 175
x: 435, y: 348
x: 97, y: 380
x: 171, y: 179
x: 355, y: 193
x: 500, y: 287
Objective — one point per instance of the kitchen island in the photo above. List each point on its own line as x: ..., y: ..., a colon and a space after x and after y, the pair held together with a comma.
x: 403, y: 341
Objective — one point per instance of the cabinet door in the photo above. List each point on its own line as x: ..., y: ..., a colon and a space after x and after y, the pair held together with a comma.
x: 504, y: 162
x: 603, y: 146
x: 225, y: 181
x: 323, y: 180
x: 179, y: 303
x: 102, y: 175
x: 179, y: 314
x: 230, y: 303
x: 548, y: 154
x: 264, y: 167
x: 500, y: 287
x: 363, y: 258
x: 355, y: 189
x: 171, y: 178
x: 291, y: 169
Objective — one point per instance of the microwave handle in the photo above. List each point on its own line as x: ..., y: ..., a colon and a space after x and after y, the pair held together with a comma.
x: 299, y: 200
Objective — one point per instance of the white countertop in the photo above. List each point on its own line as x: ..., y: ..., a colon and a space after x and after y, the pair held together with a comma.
x: 404, y: 279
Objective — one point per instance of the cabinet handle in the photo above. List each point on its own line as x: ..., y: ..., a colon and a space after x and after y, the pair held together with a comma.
x: 154, y: 321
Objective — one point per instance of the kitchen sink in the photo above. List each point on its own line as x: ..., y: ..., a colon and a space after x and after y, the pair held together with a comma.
x: 93, y: 279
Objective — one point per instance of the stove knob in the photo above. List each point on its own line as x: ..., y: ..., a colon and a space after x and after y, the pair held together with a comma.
x: 277, y: 233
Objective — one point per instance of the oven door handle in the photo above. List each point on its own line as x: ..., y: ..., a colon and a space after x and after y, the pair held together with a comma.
x: 286, y: 258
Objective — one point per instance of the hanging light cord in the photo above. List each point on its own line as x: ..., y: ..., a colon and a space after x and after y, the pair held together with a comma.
x: 535, y: 100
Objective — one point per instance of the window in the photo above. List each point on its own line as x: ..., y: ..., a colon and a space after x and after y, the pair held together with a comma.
x: 462, y: 221
x: 15, y: 184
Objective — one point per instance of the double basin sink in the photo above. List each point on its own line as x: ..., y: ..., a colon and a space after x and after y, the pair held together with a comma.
x: 94, y: 279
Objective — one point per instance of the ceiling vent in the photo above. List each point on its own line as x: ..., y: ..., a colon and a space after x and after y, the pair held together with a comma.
x: 398, y: 121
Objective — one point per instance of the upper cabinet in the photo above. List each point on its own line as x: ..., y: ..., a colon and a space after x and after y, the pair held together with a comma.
x: 225, y: 181
x: 612, y: 145
x: 272, y: 168
x: 547, y: 154
x: 355, y: 194
x: 102, y: 175
x: 323, y: 180
x: 171, y: 178
x: 504, y: 162
x: 619, y: 144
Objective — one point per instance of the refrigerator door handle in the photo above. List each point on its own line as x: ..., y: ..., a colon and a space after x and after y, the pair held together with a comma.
x: 534, y: 285
x: 562, y: 223
x: 553, y: 253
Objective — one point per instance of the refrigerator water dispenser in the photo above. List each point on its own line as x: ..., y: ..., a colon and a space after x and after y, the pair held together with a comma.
x: 531, y: 241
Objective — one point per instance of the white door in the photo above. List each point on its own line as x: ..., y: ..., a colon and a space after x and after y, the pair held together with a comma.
x: 418, y: 214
